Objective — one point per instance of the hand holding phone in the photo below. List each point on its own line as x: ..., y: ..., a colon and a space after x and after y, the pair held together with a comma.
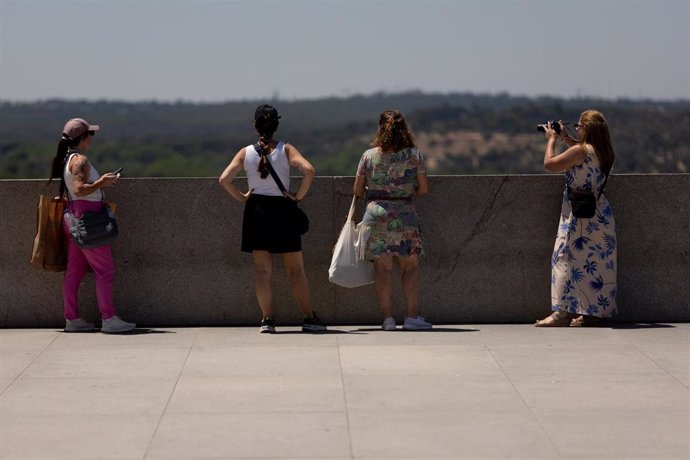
x: 118, y: 171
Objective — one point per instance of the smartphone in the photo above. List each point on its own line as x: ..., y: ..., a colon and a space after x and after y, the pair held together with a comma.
x: 118, y: 171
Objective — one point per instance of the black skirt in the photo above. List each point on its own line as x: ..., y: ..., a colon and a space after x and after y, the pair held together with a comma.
x: 265, y: 225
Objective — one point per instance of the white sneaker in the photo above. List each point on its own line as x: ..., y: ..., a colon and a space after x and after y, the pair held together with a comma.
x: 388, y: 324
x: 116, y: 325
x: 416, y: 324
x: 78, y: 325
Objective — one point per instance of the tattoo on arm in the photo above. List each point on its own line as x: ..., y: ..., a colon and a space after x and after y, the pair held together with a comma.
x: 80, y: 171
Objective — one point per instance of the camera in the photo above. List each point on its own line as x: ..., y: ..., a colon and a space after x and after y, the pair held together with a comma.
x: 554, y: 124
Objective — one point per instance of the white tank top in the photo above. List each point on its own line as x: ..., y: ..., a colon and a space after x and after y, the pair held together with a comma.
x: 93, y: 177
x: 279, y: 161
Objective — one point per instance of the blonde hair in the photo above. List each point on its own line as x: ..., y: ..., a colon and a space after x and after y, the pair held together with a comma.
x: 596, y: 133
x: 393, y: 132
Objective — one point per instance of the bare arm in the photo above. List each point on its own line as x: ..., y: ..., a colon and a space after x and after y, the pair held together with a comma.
x: 80, y: 168
x: 229, y: 175
x: 422, y: 184
x: 574, y: 155
x: 360, y: 187
x: 296, y: 160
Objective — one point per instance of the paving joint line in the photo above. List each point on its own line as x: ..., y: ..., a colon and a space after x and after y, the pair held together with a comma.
x: 347, y: 410
x: 660, y: 366
x: 26, y: 368
x: 534, y: 415
x: 172, y: 392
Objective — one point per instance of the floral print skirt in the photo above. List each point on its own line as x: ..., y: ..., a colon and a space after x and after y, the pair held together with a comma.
x: 583, y: 264
x: 393, y: 229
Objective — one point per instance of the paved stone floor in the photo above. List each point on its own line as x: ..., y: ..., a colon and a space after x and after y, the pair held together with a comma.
x: 465, y: 391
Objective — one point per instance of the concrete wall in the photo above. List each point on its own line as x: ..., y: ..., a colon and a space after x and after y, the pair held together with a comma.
x: 488, y: 246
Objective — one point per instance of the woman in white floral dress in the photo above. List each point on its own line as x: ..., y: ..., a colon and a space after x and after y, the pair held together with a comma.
x: 583, y: 264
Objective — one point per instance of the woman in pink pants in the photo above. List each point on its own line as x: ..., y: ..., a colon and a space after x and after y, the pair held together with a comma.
x: 83, y: 184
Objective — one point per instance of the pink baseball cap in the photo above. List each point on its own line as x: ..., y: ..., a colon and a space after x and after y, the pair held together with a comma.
x: 78, y: 126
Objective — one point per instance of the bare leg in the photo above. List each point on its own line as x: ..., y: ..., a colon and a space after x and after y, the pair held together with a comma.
x: 263, y: 269
x: 294, y: 267
x: 383, y: 271
x: 410, y: 283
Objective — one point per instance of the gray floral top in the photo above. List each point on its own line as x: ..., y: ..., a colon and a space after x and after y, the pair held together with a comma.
x: 393, y: 224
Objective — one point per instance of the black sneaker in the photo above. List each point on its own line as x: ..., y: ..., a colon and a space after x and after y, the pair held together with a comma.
x: 313, y: 324
x: 268, y: 325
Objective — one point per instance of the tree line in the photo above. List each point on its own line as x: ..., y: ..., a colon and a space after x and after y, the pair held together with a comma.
x: 460, y: 133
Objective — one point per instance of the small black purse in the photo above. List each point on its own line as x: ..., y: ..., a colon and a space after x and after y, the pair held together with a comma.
x: 300, y: 221
x: 584, y: 203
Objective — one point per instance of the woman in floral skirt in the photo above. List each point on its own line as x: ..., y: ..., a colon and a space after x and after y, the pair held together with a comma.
x: 389, y: 176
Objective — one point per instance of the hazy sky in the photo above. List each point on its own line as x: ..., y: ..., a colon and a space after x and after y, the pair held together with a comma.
x: 228, y: 50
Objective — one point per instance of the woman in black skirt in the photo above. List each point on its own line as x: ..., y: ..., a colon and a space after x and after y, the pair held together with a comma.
x: 268, y: 213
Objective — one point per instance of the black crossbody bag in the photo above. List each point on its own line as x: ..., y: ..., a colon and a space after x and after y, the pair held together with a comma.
x: 584, y: 203
x: 92, y: 229
x: 298, y: 219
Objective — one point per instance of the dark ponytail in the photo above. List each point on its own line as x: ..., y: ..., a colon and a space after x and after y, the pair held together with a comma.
x: 265, y: 127
x: 57, y: 167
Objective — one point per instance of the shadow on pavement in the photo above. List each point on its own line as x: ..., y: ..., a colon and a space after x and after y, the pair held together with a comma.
x: 329, y: 331
x: 137, y: 331
x: 435, y: 329
x: 142, y: 331
x: 636, y: 325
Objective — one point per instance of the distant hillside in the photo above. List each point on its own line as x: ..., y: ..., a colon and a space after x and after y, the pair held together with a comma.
x: 459, y: 133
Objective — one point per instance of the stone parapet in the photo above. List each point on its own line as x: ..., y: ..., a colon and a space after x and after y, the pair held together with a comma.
x: 488, y: 242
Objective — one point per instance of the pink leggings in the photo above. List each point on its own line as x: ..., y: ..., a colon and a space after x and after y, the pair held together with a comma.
x: 100, y: 260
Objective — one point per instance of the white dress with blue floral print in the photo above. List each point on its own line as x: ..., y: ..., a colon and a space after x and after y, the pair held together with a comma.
x: 583, y: 264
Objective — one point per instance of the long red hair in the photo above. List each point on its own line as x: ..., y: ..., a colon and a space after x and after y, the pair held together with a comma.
x: 596, y: 133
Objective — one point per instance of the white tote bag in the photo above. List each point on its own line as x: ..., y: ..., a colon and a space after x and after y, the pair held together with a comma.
x: 348, y: 267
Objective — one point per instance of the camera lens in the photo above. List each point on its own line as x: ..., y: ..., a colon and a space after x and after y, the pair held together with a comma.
x: 556, y: 126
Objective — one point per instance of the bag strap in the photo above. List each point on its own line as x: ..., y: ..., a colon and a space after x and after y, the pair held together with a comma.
x: 351, y: 214
x: 606, y: 176
x: 65, y: 166
x: 590, y: 150
x: 274, y: 175
x: 603, y: 186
